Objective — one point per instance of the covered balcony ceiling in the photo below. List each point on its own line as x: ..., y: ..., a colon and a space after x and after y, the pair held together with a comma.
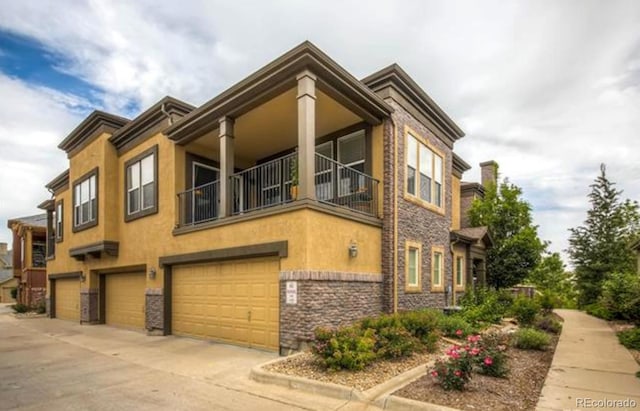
x: 272, y: 127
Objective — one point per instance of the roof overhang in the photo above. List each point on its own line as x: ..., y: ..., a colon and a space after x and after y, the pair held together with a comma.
x: 275, y: 78
x: 472, y: 235
x: 47, y: 205
x: 459, y: 166
x: 394, y: 82
x: 94, y: 125
x: 468, y: 188
x: 59, y: 183
x: 166, y: 111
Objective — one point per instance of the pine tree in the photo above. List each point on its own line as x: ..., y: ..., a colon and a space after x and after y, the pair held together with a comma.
x: 600, y: 246
x: 516, y: 249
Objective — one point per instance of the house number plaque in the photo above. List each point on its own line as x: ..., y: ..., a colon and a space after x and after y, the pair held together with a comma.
x: 292, y: 292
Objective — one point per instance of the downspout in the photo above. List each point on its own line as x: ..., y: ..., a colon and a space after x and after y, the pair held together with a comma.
x: 395, y: 215
x: 162, y: 109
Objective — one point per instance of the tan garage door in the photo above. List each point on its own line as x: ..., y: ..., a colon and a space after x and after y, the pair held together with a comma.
x: 67, y: 299
x: 124, y: 299
x: 235, y: 302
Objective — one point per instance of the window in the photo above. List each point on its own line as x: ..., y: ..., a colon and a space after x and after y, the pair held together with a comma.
x: 412, y: 266
x: 459, y: 270
x: 85, y: 201
x: 58, y: 227
x: 424, y: 172
x: 437, y: 272
x: 141, y: 184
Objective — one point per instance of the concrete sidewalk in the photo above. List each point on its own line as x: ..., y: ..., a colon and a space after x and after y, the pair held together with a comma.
x: 589, y: 365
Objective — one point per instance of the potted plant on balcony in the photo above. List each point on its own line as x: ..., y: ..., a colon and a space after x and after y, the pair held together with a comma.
x: 293, y: 173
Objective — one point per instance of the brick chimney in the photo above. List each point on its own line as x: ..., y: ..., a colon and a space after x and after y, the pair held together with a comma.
x: 3, y: 249
x: 489, y: 172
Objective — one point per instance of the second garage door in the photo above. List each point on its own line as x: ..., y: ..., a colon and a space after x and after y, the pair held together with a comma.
x: 67, y: 299
x: 235, y: 302
x: 124, y: 300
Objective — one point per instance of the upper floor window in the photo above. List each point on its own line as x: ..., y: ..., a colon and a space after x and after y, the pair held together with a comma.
x: 58, y: 227
x: 85, y: 201
x: 142, y: 184
x: 424, y: 177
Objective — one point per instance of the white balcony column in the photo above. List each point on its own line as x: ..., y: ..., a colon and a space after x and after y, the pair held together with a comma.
x: 226, y: 165
x: 306, y: 134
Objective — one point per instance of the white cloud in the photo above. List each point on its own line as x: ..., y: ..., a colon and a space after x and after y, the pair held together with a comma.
x: 548, y: 89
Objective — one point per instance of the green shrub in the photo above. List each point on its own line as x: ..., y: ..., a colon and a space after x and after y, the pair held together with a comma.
x: 455, y: 327
x: 395, y: 342
x: 525, y: 309
x: 621, y: 296
x: 483, y: 305
x: 599, y: 310
x: 20, y: 308
x: 350, y: 348
x: 549, y: 324
x: 423, y: 325
x: 548, y: 301
x: 531, y: 339
x: 630, y: 338
x: 14, y: 293
x: 492, y: 360
x: 41, y: 308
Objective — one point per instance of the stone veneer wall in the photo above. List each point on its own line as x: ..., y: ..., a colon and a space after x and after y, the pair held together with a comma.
x: 89, y: 308
x: 415, y: 223
x: 154, y: 311
x: 327, y: 299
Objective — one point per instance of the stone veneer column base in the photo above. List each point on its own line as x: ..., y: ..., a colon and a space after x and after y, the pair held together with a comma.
x: 154, y: 311
x: 325, y: 299
x: 89, y: 308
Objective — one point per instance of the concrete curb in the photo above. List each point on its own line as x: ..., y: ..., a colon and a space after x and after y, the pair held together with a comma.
x: 394, y: 403
x: 383, y: 390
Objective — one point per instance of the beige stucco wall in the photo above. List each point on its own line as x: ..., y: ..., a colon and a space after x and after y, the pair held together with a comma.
x: 316, y: 240
x: 455, y: 203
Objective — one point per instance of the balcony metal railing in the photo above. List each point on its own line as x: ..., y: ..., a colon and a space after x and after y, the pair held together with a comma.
x: 199, y: 204
x: 265, y: 185
x: 274, y: 183
x: 345, y: 186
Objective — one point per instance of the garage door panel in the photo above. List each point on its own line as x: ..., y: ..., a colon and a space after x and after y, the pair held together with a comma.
x: 239, y: 299
x: 67, y: 299
x: 125, y: 300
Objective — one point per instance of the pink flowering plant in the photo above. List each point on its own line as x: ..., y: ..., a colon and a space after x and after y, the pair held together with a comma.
x: 455, y: 371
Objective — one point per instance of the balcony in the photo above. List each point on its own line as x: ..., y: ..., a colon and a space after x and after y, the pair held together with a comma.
x: 275, y: 183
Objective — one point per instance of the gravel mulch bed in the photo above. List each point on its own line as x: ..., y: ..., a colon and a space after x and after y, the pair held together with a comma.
x: 622, y: 326
x: 29, y: 314
x: 304, y: 365
x: 520, y: 391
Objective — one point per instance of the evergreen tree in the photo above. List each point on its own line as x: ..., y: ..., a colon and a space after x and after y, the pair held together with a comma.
x: 517, y: 248
x: 600, y: 246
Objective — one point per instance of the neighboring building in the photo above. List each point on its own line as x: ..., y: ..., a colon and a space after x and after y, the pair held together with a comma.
x: 29, y: 260
x: 299, y: 197
x: 7, y: 281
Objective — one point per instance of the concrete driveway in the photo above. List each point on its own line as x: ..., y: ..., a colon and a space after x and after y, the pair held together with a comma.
x: 50, y: 364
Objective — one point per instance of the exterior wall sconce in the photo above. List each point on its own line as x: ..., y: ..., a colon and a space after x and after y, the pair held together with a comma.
x: 353, y: 249
x: 83, y: 277
x: 152, y: 274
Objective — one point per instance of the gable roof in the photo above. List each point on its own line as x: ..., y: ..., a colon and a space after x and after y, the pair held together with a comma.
x: 395, y: 77
x: 472, y: 235
x: 6, y: 274
x: 167, y: 108
x: 277, y: 77
x: 90, y: 128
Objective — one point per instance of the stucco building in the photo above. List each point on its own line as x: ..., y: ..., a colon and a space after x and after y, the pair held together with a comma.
x: 299, y: 197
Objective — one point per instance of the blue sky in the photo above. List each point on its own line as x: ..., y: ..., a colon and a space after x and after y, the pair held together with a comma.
x: 549, y: 89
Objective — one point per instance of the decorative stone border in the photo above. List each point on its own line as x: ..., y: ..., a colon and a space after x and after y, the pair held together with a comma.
x: 330, y: 276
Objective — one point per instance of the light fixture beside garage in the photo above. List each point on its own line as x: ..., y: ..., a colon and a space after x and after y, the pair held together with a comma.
x: 353, y: 249
x: 152, y: 274
x: 82, y: 277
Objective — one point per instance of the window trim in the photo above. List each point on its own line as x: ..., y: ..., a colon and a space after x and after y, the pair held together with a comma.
x: 415, y: 198
x: 437, y: 287
x: 459, y: 286
x: 94, y: 222
x: 153, y: 150
x: 59, y: 237
x: 412, y: 288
